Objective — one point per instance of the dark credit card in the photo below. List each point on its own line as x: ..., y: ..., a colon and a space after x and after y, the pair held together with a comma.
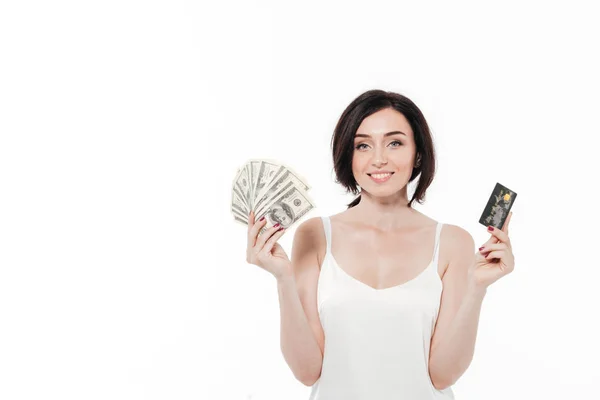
x: 498, y: 206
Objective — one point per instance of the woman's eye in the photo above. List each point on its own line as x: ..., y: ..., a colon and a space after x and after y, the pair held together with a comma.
x: 358, y: 147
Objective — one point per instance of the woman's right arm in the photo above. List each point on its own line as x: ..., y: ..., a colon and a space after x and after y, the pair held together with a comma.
x: 302, y: 337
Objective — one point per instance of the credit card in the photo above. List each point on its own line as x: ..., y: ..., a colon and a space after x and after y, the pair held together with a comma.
x: 498, y: 206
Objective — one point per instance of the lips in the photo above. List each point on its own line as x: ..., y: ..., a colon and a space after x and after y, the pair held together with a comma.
x: 380, y: 173
x: 381, y: 178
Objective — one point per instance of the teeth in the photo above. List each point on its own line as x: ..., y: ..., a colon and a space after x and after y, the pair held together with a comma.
x: 380, y: 176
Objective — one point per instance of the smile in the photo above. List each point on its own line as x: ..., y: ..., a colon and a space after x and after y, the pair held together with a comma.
x: 380, y: 178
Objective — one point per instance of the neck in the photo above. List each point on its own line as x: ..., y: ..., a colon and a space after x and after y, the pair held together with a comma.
x: 384, y: 213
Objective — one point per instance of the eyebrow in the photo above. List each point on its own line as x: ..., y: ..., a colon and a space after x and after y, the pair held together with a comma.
x: 384, y: 135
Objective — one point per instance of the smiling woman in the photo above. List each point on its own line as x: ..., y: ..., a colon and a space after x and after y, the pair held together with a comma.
x: 373, y: 313
x: 366, y: 327
x: 380, y: 301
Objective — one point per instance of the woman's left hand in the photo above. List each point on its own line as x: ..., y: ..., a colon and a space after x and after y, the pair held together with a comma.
x: 495, y: 259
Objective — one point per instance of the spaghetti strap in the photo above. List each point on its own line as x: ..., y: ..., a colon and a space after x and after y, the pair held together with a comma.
x: 327, y: 229
x: 436, y: 249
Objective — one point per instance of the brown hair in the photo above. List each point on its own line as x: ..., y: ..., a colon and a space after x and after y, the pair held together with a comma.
x: 342, y: 141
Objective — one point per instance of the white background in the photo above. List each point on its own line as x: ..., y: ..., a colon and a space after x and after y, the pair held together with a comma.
x: 122, y: 272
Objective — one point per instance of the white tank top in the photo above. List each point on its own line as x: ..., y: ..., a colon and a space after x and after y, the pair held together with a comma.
x: 377, y: 340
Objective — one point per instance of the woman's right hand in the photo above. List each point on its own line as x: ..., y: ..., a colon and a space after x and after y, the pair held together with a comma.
x: 264, y: 251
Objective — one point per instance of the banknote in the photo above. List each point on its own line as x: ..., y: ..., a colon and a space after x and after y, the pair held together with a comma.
x: 286, y: 209
x: 278, y: 185
x: 270, y: 189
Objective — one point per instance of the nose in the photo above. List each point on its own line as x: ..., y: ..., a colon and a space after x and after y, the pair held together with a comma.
x: 379, y: 158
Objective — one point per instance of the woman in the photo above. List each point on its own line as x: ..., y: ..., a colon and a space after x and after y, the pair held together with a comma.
x: 380, y: 301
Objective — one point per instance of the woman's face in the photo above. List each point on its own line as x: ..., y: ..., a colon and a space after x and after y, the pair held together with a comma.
x: 394, y: 153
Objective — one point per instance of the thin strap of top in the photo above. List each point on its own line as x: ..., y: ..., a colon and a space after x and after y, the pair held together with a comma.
x: 327, y: 227
x: 438, y: 229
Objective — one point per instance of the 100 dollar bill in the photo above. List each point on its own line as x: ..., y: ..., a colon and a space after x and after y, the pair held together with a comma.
x: 286, y: 209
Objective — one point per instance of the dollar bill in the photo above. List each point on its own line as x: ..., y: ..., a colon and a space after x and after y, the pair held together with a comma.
x: 238, y: 200
x: 272, y: 190
x: 279, y: 184
x: 243, y: 185
x: 286, y: 209
x: 267, y: 170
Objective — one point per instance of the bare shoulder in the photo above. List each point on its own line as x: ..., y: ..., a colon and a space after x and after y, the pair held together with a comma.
x: 310, y: 235
x: 456, y: 242
x: 310, y: 226
x: 457, y: 236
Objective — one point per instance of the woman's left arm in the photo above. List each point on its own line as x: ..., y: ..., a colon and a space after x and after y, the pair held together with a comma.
x: 465, y: 284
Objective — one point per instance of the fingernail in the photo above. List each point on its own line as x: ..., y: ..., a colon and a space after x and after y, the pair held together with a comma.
x: 481, y: 248
x: 262, y: 218
x: 490, y: 228
x: 276, y: 225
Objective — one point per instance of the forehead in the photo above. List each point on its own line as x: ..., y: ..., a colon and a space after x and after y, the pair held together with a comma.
x: 383, y: 121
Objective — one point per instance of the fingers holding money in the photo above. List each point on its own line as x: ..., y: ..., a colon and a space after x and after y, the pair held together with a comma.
x: 278, y: 195
x: 261, y: 243
x: 274, y: 237
x: 273, y: 233
x: 253, y: 228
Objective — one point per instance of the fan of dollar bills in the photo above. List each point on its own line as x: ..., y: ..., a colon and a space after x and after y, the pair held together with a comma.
x: 272, y: 190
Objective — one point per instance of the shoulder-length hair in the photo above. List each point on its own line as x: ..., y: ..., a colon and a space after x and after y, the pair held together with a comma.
x: 342, y: 141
